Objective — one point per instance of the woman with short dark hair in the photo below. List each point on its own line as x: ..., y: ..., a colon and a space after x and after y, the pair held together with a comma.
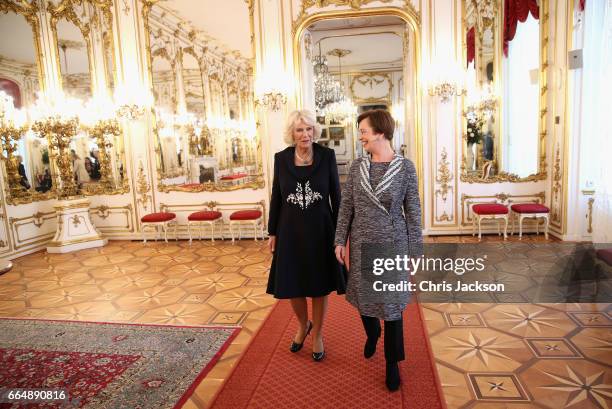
x: 380, y: 204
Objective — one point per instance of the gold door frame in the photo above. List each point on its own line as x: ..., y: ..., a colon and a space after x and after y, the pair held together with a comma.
x: 411, y: 18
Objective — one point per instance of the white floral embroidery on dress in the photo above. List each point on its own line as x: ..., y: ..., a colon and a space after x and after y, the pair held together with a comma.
x: 304, y: 196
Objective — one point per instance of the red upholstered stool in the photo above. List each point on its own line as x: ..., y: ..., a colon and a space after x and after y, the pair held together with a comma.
x: 155, y: 220
x: 241, y: 217
x: 495, y: 211
x: 530, y: 211
x: 209, y: 217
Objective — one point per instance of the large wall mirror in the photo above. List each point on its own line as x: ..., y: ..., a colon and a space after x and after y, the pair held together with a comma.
x: 74, y: 51
x: 350, y: 63
x: 505, y: 106
x: 26, y: 160
x: 83, y: 35
x: 205, y: 135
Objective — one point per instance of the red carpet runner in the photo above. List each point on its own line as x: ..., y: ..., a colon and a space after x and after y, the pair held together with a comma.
x: 269, y: 376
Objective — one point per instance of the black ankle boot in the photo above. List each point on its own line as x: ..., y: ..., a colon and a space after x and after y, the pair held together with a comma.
x: 393, y: 376
x: 370, y: 346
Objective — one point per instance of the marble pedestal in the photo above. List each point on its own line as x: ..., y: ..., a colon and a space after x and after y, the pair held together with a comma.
x: 75, y: 231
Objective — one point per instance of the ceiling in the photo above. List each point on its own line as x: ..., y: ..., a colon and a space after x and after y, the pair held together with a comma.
x: 355, y: 22
x: 21, y: 46
x: 374, y: 42
x: 367, y: 49
x: 225, y: 21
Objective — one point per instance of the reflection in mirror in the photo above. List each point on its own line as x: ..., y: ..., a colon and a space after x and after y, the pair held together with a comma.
x: 520, y: 70
x: 193, y: 85
x: 73, y: 60
x: 169, y: 138
x: 502, y: 136
x: 25, y: 155
x: 206, y: 137
x: 480, y: 110
x: 109, y: 60
x: 351, y: 65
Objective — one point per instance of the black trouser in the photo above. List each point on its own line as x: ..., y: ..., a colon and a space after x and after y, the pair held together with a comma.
x: 394, y: 336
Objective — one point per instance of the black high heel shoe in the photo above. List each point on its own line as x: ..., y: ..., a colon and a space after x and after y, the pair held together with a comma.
x: 318, y: 356
x: 295, y: 347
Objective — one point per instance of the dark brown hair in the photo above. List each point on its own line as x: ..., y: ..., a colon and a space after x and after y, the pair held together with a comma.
x: 381, y: 121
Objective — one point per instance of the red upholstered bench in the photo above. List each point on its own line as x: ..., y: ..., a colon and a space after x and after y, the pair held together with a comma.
x: 234, y: 179
x: 155, y: 220
x: 495, y: 211
x: 209, y: 217
x: 241, y: 217
x: 530, y: 211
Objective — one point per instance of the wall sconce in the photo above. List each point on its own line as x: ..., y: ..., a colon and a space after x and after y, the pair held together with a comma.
x: 445, y: 90
x: 271, y: 88
x: 272, y: 100
x: 132, y: 102
x: 130, y: 111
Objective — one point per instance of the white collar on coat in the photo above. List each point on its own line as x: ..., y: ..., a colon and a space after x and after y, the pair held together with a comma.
x: 394, y: 167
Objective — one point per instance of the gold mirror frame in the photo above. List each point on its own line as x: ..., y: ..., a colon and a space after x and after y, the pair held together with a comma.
x: 480, y: 175
x: 30, y: 12
x: 257, y: 183
x: 408, y: 14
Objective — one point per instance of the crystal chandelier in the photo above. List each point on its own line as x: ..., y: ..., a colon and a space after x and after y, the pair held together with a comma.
x: 340, y: 111
x: 327, y: 90
x: 343, y: 108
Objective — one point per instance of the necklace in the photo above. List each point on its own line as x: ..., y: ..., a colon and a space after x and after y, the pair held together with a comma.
x: 303, y: 161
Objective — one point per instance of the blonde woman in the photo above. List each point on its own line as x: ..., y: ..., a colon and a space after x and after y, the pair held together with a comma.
x: 302, y: 223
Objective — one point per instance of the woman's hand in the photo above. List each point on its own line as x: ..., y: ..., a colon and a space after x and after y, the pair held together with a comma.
x: 272, y: 243
x: 340, y: 252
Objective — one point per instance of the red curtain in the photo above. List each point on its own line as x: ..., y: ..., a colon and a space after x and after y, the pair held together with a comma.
x: 516, y: 11
x: 471, y: 45
x: 11, y: 88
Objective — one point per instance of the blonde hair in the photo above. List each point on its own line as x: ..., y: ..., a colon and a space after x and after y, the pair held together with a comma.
x: 297, y: 116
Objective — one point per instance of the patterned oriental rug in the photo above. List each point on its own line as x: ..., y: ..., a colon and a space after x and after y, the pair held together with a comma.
x: 104, y: 365
x: 269, y: 376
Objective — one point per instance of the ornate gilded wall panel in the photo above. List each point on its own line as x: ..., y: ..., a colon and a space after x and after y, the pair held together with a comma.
x: 113, y: 219
x: 32, y: 230
x: 443, y: 204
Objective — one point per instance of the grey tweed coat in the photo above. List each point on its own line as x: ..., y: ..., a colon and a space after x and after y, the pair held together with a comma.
x: 364, y: 216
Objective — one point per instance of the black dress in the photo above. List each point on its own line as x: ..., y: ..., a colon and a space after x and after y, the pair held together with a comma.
x: 303, y: 214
